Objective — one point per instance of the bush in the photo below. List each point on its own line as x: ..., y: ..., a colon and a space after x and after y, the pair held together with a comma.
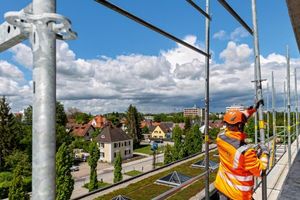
x: 4, y: 189
x: 5, y: 183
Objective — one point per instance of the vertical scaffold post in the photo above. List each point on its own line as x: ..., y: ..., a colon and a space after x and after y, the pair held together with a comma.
x: 44, y: 100
x: 288, y: 105
x: 296, y: 108
x: 272, y: 161
x: 284, y: 115
x: 259, y: 91
x: 207, y: 43
x: 268, y: 117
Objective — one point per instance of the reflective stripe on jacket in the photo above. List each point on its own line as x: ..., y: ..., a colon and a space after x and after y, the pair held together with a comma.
x: 238, y: 164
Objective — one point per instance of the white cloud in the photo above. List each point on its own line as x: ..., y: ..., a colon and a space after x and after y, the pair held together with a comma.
x: 221, y: 35
x: 238, y: 34
x: 167, y: 82
x: 22, y: 55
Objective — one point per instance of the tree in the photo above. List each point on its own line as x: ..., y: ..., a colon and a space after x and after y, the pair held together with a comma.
x: 8, y: 131
x: 133, y: 125
x: 82, y: 118
x: 19, y: 158
x: 62, y: 136
x: 177, y: 139
x: 187, y: 124
x: 197, y: 138
x: 93, y: 161
x: 118, y: 169
x: 17, y: 189
x: 61, y: 117
x: 168, y: 157
x: 28, y: 115
x: 64, y: 180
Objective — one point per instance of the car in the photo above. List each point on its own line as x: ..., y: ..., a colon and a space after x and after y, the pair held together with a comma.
x: 74, y: 168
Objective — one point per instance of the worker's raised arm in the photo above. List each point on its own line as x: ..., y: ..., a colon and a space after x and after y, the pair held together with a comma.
x: 255, y: 164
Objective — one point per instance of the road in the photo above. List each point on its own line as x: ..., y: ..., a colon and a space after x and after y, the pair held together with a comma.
x: 105, y: 172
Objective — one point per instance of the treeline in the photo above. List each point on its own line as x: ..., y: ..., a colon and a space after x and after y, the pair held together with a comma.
x: 186, y: 142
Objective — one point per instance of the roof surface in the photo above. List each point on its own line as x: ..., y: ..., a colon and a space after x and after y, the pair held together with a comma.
x: 291, y: 186
x: 80, y: 130
x: 294, y: 12
x: 112, y: 134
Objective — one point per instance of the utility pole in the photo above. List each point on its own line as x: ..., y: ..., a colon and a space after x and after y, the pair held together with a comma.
x: 259, y: 92
x: 296, y: 108
x: 288, y: 105
x: 207, y: 50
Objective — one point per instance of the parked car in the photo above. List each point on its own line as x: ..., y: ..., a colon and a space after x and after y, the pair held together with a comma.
x: 74, y: 168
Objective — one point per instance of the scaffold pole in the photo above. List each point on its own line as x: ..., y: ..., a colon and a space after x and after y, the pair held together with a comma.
x: 259, y: 91
x: 296, y: 108
x: 288, y: 105
x: 207, y: 50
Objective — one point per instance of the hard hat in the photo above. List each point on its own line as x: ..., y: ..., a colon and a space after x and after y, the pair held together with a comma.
x: 234, y: 116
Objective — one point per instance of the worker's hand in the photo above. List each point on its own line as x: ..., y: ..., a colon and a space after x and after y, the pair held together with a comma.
x: 258, y: 103
x: 262, y: 149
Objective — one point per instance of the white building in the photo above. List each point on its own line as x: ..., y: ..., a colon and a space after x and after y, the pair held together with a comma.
x: 236, y: 107
x: 112, y: 141
x: 193, y: 112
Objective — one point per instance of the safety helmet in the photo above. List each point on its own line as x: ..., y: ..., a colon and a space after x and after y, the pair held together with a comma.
x: 234, y: 116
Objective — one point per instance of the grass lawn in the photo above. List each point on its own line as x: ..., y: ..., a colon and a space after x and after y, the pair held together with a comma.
x: 147, y: 189
x: 100, y: 185
x: 159, y: 164
x: 133, y: 173
x: 146, y: 149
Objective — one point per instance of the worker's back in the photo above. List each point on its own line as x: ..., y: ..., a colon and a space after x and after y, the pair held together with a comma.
x: 238, y: 164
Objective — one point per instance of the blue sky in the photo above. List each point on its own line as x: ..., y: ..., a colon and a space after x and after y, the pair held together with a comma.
x: 110, y: 43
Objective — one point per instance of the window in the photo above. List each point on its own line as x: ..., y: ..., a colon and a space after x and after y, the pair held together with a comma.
x: 102, y: 145
x: 125, y: 152
x: 115, y: 154
x: 115, y: 145
x: 102, y: 155
x: 128, y: 151
x: 125, y: 144
x: 159, y: 131
x: 119, y: 144
x: 128, y: 142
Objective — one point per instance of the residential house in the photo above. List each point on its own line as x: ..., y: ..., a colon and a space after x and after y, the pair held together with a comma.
x: 161, y: 131
x: 82, y: 130
x: 113, y: 140
x: 99, y: 121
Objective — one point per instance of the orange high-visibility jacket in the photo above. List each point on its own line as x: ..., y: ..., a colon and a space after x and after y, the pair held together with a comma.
x: 238, y: 164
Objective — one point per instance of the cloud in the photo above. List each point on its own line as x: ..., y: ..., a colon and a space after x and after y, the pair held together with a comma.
x: 170, y: 81
x: 221, y: 35
x: 236, y: 35
x: 22, y: 55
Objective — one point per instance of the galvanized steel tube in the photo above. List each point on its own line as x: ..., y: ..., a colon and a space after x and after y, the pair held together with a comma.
x: 44, y: 99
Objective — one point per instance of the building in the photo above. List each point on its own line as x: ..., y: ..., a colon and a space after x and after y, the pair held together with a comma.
x: 113, y: 140
x: 236, y: 107
x: 193, y: 112
x: 99, y: 121
x: 82, y: 130
x: 161, y: 132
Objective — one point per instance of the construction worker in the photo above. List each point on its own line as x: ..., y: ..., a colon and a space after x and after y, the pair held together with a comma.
x: 239, y: 162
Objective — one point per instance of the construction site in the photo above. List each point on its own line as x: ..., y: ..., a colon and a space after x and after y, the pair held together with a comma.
x: 275, y: 126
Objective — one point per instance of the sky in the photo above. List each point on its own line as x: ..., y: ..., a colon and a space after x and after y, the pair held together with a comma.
x: 116, y: 62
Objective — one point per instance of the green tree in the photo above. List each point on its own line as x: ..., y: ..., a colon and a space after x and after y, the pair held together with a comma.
x: 197, y: 138
x: 28, y: 115
x: 82, y: 118
x: 177, y: 139
x: 17, y: 189
x: 61, y: 117
x: 93, y: 161
x: 133, y: 125
x: 118, y: 169
x: 19, y: 158
x: 64, y: 180
x: 168, y: 157
x: 62, y: 136
x: 8, y: 131
x: 187, y: 124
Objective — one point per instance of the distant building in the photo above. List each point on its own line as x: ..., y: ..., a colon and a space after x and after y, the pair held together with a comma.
x: 82, y: 130
x: 98, y: 121
x: 161, y: 131
x: 193, y: 112
x: 149, y: 117
x: 113, y: 140
x: 236, y: 107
